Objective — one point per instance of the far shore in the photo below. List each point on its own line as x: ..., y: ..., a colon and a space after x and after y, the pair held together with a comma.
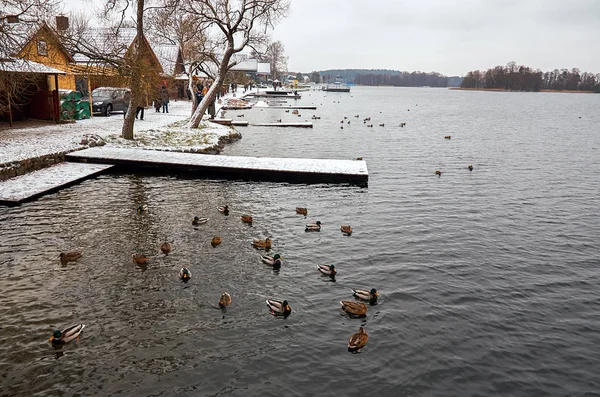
x: 503, y: 90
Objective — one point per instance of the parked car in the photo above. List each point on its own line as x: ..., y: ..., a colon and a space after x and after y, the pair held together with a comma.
x: 106, y: 100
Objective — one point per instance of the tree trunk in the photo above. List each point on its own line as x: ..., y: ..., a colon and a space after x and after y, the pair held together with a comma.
x: 136, y: 75
x: 10, y: 118
x: 212, y: 92
x: 194, y: 96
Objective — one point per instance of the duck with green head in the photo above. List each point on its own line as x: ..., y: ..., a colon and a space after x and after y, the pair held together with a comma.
x: 274, y: 260
x: 313, y: 227
x: 67, y: 334
x: 327, y: 270
x: 279, y: 308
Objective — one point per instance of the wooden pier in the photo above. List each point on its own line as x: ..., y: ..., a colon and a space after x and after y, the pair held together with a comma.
x: 306, y: 107
x: 37, y: 183
x: 297, y: 125
x: 237, y: 123
x: 231, y: 167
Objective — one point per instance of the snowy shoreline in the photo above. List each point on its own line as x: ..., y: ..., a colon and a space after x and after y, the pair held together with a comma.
x: 23, y: 150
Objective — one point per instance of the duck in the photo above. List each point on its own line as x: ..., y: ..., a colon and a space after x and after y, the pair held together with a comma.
x: 328, y: 270
x: 199, y: 221
x: 66, y: 335
x: 382, y: 125
x: 223, y: 210
x: 470, y: 168
x: 274, y: 260
x: 358, y: 341
x: 246, y: 219
x: 71, y: 256
x: 140, y: 259
x: 357, y: 115
x: 358, y: 309
x: 142, y: 208
x: 438, y: 173
x: 166, y: 247
x: 262, y: 244
x: 279, y: 308
x: 359, y: 159
x: 295, y: 111
x: 278, y: 120
x: 346, y: 229
x: 366, y: 295
x: 448, y: 137
x: 313, y: 227
x: 225, y: 300
x: 301, y: 210
x: 216, y: 241
x: 240, y: 115
x: 341, y: 127
x: 185, y: 274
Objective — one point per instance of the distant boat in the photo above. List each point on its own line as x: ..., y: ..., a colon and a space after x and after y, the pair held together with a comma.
x: 336, y: 87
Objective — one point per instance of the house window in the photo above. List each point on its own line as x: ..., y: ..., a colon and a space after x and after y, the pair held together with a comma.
x: 42, y: 48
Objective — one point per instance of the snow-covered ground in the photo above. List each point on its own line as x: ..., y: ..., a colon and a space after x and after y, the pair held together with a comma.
x: 161, y: 131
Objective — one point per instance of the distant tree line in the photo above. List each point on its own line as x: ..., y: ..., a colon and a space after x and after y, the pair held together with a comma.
x: 385, y: 77
x: 403, y: 79
x: 522, y: 78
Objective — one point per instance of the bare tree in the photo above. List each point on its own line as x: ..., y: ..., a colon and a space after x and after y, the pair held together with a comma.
x: 171, y: 24
x: 19, y: 20
x: 237, y: 24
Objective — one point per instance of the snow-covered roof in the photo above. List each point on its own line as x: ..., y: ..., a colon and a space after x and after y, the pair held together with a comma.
x: 247, y: 65
x: 264, y: 68
x: 110, y: 41
x: 167, y: 55
x: 17, y: 65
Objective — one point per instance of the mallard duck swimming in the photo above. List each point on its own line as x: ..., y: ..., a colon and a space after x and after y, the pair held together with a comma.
x: 313, y: 227
x: 358, y: 341
x: 199, y: 221
x: 302, y: 211
x: 142, y: 208
x: 223, y: 210
x: 366, y: 295
x: 448, y: 137
x: 66, y: 257
x: 470, y: 168
x: 216, y: 241
x: 438, y: 173
x: 358, y: 309
x: 346, y: 229
x: 328, y: 270
x: 140, y: 259
x: 262, y: 244
x: 67, y: 334
x: 279, y: 308
x: 185, y: 274
x: 166, y: 247
x: 225, y: 300
x: 274, y: 260
x: 246, y: 219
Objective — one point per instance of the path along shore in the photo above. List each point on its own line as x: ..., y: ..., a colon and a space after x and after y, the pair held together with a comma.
x: 30, y: 147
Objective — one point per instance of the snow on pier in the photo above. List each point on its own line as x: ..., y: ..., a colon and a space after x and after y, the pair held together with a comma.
x: 37, y: 183
x: 234, y: 167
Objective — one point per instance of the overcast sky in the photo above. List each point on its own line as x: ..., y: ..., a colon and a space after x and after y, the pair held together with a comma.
x: 447, y: 36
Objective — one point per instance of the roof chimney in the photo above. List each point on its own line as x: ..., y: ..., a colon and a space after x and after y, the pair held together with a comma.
x: 62, y: 22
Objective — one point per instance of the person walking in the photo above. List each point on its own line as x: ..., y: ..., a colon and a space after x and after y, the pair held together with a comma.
x: 164, y: 96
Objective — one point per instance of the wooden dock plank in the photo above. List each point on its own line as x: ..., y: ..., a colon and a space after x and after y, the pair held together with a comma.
x: 301, y: 107
x: 237, y: 167
x: 240, y: 123
x: 223, y: 121
x: 297, y: 125
x: 37, y: 183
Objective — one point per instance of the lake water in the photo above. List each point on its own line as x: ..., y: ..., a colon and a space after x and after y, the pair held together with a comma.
x: 488, y: 278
